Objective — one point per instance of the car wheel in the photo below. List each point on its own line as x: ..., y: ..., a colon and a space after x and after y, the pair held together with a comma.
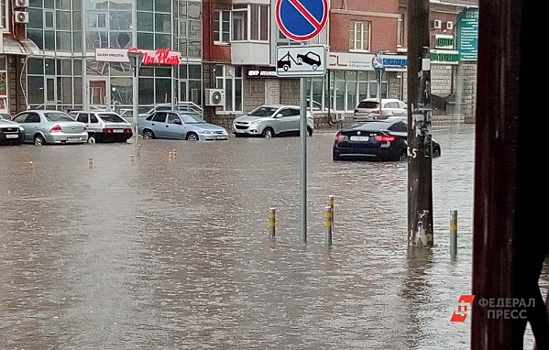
x: 91, y: 139
x: 314, y: 66
x: 148, y: 134
x: 268, y: 133
x: 299, y: 60
x: 192, y: 136
x: 39, y: 140
x: 309, y: 132
x: 403, y: 156
x: 436, y: 153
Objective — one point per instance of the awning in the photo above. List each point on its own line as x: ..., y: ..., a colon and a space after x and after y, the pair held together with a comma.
x: 12, y: 46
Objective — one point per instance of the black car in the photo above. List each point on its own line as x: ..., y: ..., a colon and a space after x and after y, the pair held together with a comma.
x: 311, y: 58
x: 11, y: 132
x: 375, y: 139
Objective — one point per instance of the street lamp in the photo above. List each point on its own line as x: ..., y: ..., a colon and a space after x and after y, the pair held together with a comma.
x: 135, y: 57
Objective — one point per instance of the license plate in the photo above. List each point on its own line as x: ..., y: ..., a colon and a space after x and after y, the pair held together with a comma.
x: 119, y: 131
x: 12, y: 136
x: 75, y: 138
x: 360, y: 138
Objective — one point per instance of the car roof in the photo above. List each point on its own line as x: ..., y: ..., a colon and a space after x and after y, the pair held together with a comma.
x: 96, y: 112
x: 42, y: 111
x: 276, y: 105
x: 377, y: 99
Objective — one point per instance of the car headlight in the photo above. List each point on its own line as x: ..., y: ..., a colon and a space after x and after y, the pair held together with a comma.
x: 207, y: 132
x: 22, y: 129
x: 255, y: 122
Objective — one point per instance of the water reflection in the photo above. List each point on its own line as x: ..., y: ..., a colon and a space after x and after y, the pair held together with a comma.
x: 174, y: 253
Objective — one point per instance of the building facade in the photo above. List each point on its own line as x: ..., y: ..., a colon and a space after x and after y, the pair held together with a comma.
x: 72, y: 54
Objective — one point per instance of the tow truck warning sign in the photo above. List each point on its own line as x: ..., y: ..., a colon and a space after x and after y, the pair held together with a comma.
x: 301, y: 61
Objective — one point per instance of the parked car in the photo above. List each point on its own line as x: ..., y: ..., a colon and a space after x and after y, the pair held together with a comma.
x: 51, y: 127
x: 179, y: 125
x: 375, y: 139
x: 11, y: 133
x: 104, y: 126
x: 272, y: 120
x: 390, y: 107
x: 5, y: 116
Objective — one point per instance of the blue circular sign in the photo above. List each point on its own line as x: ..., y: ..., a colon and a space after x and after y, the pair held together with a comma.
x: 301, y: 20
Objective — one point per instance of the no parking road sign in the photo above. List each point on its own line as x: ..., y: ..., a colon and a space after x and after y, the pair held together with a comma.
x: 301, y: 20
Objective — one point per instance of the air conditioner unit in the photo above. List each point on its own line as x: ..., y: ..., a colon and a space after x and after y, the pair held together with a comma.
x: 21, y: 3
x: 449, y: 25
x: 436, y: 24
x: 21, y: 17
x: 214, y: 97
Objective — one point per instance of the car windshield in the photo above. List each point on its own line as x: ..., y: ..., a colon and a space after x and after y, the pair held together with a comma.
x: 58, y: 117
x: 113, y: 118
x: 191, y: 118
x: 263, y: 111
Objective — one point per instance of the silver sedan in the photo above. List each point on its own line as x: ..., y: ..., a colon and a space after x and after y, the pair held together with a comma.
x: 51, y: 127
x: 179, y: 125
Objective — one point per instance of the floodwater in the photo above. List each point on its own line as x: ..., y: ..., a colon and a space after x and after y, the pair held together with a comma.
x: 99, y: 251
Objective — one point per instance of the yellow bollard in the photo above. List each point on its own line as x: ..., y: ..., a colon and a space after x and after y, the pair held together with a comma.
x: 328, y: 222
x: 170, y: 155
x: 174, y: 153
x: 331, y: 204
x: 132, y: 158
x: 31, y: 166
x: 272, y: 221
x: 453, y: 232
x: 90, y: 162
x: 138, y: 150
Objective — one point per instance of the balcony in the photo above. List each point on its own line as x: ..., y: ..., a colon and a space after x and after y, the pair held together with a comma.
x: 250, y: 53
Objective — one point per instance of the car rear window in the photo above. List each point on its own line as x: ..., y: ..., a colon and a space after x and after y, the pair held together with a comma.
x: 57, y: 117
x: 113, y: 118
x: 367, y: 104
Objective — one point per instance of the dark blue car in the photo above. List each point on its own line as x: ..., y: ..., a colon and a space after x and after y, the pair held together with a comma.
x: 375, y: 139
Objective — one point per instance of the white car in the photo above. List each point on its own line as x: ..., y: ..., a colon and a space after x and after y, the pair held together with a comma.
x: 272, y: 120
x: 369, y: 107
x: 104, y: 126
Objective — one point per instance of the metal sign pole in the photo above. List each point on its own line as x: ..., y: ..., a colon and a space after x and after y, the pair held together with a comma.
x: 303, y: 139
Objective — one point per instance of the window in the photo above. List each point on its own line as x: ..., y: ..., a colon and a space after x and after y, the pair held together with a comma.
x: 82, y: 117
x: 259, y: 22
x: 400, y: 31
x: 222, y: 26
x: 240, y: 21
x: 250, y: 22
x: 159, y: 117
x: 359, y: 36
x: 229, y: 78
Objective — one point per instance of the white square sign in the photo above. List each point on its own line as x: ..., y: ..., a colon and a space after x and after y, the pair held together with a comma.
x: 301, y: 61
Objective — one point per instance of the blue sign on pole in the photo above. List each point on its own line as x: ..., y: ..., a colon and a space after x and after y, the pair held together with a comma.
x: 301, y: 20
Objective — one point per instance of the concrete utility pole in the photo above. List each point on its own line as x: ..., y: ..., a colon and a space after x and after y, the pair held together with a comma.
x: 420, y: 190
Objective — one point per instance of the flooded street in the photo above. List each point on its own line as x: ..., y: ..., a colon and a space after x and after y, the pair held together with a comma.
x: 175, y: 253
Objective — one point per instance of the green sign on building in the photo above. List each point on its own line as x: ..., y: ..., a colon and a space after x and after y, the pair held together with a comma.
x: 468, y: 35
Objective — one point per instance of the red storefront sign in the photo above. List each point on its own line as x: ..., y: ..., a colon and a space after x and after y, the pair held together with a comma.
x: 150, y: 57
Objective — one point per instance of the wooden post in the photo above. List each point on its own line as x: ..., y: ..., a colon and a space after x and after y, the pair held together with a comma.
x: 420, y: 191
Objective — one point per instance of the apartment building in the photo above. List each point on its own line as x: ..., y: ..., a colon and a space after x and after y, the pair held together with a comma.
x: 219, y: 54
